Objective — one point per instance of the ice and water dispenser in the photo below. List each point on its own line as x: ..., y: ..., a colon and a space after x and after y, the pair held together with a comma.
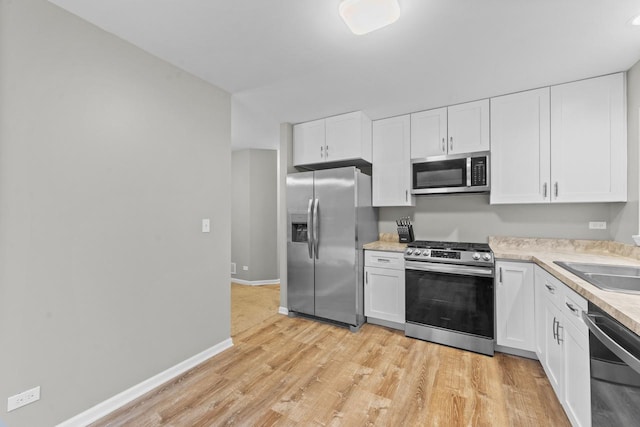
x: 299, y: 228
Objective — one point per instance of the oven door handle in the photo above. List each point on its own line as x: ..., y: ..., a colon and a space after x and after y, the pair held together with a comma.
x: 609, y: 342
x: 449, y: 268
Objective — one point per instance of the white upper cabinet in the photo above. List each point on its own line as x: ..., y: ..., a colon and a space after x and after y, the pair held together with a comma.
x: 589, y: 140
x: 429, y: 133
x: 462, y: 128
x: 334, y: 139
x: 391, y: 178
x: 564, y: 144
x: 520, y: 147
x: 468, y: 127
x: 348, y: 136
x: 308, y: 142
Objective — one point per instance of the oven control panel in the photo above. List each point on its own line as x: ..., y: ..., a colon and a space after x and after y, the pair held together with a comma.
x: 445, y: 254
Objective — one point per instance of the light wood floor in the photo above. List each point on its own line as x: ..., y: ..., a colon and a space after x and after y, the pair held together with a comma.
x: 287, y: 372
x: 251, y: 305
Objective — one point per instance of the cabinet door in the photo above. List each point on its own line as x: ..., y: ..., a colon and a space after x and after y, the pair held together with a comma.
x: 514, y: 305
x: 391, y: 162
x: 384, y: 294
x: 577, y: 381
x: 554, y: 352
x: 539, y: 308
x: 468, y: 127
x: 308, y: 142
x: 588, y: 140
x: 345, y: 137
x: 429, y: 133
x: 520, y: 148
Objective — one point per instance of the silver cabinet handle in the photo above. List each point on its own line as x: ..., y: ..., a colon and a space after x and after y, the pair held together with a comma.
x: 384, y: 260
x: 609, y: 342
x: 321, y: 152
x: 553, y: 328
x: 326, y: 152
x: 550, y: 288
x: 559, y: 339
x: 544, y: 190
x: 444, y: 147
x: 450, y: 143
x: 555, y: 189
x: 309, y: 228
x: 316, y: 227
x: 366, y: 277
x: 406, y: 195
x: 500, y: 275
x: 571, y: 307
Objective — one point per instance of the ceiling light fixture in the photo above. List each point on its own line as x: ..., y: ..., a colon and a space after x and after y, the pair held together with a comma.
x: 364, y: 16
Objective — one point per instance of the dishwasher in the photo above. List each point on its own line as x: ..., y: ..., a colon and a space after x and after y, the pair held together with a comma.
x: 614, y: 352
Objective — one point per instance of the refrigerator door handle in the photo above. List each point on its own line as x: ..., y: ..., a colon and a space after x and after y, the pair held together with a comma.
x: 309, y: 225
x: 316, y: 226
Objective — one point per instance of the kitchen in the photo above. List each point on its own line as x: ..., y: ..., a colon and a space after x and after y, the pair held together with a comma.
x: 438, y: 218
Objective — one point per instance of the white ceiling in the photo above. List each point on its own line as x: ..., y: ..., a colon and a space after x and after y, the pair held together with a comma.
x: 295, y: 60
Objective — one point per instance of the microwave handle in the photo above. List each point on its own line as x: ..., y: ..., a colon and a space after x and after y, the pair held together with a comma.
x: 468, y: 171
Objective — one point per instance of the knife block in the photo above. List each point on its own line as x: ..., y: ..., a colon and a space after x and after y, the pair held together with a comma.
x: 406, y: 233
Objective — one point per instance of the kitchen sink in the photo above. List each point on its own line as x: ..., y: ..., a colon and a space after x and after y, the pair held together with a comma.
x: 618, y: 278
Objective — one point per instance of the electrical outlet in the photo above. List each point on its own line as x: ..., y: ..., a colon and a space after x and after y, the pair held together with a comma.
x: 597, y: 225
x: 233, y: 268
x: 206, y: 225
x: 245, y: 268
x: 24, y: 398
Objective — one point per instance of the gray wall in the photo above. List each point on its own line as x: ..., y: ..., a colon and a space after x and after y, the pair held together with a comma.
x: 285, y: 166
x: 625, y: 217
x: 109, y: 159
x: 471, y: 218
x: 254, y: 210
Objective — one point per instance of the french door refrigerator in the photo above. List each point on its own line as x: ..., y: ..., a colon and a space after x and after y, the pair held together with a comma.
x: 329, y: 217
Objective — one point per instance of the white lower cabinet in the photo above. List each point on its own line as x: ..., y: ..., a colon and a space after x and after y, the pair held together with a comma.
x: 514, y: 305
x: 577, y: 396
x: 384, y: 287
x: 562, y: 345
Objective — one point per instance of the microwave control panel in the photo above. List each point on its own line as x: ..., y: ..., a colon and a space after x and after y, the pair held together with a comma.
x: 478, y: 171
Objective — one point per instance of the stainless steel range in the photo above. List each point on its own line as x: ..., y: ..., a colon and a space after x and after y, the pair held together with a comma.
x: 450, y: 294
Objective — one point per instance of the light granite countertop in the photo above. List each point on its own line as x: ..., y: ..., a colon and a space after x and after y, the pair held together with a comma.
x: 622, y: 306
x: 389, y: 242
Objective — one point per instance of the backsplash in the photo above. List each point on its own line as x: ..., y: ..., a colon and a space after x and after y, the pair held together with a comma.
x: 471, y: 218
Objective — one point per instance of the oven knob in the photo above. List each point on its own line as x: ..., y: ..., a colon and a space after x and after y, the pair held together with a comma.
x: 409, y: 251
x: 417, y: 252
x: 486, y: 257
x: 475, y: 256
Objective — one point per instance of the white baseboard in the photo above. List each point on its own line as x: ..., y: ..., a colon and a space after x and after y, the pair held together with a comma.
x: 119, y: 400
x: 283, y: 310
x: 255, y: 282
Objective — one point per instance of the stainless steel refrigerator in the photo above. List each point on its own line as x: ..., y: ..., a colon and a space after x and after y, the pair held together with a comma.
x: 330, y: 217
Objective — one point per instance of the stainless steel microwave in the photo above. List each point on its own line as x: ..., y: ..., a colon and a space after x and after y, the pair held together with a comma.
x: 458, y: 173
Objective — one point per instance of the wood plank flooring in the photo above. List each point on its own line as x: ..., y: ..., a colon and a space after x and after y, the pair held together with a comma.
x: 251, y: 305
x: 293, y: 371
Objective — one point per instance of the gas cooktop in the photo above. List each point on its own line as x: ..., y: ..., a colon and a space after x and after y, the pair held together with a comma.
x: 449, y: 252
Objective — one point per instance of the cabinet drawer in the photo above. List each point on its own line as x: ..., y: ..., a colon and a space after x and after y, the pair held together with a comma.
x: 572, y: 307
x: 549, y: 286
x: 394, y: 260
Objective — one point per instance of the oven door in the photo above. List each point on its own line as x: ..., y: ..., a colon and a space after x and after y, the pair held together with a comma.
x: 458, y: 298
